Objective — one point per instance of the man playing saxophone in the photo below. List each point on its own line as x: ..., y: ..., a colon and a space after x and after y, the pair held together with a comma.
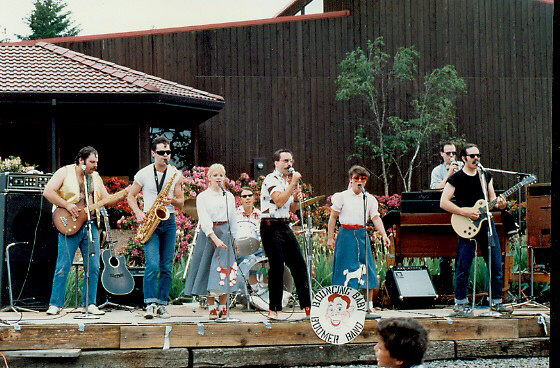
x: 161, y: 188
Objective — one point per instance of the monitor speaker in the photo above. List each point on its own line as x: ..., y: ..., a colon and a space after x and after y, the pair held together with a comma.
x: 410, y: 287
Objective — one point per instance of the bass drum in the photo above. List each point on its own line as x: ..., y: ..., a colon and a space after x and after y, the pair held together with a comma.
x: 254, y: 271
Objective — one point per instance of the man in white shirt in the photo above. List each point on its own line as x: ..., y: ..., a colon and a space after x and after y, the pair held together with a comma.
x: 160, y: 248
x: 279, y: 242
x: 448, y: 167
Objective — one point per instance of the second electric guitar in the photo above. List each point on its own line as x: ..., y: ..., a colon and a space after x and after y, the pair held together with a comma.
x: 467, y: 228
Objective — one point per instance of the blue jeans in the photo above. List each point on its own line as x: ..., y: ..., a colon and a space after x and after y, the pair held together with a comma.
x: 159, y: 251
x: 67, y: 246
x: 463, y: 262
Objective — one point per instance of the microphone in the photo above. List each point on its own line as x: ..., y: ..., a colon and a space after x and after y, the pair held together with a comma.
x: 480, y: 167
x: 362, y: 189
x: 291, y: 171
x: 459, y: 164
x: 222, y: 188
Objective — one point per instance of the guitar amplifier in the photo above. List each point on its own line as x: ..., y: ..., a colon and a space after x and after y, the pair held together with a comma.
x: 410, y: 287
x: 25, y: 218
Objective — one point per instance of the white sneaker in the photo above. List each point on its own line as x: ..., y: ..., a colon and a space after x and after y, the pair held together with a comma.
x: 92, y: 309
x: 151, y: 311
x: 53, y: 310
x: 162, y: 312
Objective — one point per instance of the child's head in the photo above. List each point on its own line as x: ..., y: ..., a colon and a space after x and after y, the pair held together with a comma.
x: 402, y: 342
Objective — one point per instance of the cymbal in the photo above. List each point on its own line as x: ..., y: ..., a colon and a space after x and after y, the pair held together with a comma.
x: 190, y: 208
x: 310, y: 201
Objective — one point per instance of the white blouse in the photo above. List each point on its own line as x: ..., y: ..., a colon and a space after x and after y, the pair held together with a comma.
x: 211, y: 207
x: 351, y: 207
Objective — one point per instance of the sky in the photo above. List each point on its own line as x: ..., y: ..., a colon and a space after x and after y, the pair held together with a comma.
x: 110, y: 16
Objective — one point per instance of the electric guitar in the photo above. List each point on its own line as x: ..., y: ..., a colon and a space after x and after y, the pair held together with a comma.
x: 116, y: 278
x: 69, y: 225
x: 467, y: 228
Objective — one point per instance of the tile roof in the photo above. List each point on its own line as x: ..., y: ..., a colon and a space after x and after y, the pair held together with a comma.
x: 47, y: 68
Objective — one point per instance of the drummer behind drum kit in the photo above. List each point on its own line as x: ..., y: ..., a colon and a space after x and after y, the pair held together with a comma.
x: 254, y: 266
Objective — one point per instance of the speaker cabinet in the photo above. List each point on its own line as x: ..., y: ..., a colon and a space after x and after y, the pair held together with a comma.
x: 410, y: 287
x: 134, y: 299
x: 25, y: 216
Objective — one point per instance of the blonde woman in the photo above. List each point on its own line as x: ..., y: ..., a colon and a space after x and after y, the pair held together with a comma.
x: 213, y: 269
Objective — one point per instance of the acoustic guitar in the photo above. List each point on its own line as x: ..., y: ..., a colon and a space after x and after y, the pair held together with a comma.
x: 467, y: 228
x: 69, y: 225
x: 116, y: 278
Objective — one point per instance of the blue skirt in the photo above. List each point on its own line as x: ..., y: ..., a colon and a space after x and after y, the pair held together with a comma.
x: 349, y: 268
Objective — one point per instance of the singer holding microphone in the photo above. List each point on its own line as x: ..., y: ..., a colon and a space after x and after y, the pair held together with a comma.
x: 352, y: 245
x: 213, y: 264
x: 467, y: 188
x: 159, y: 249
x: 448, y: 167
x: 279, y: 242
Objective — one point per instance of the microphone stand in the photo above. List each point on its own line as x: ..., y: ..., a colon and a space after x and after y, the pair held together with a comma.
x: 366, y: 250
x: 308, y: 255
x: 90, y: 250
x: 520, y: 176
x: 489, y: 235
x: 228, y: 277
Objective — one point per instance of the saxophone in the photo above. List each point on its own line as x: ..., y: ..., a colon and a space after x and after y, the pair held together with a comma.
x: 157, y: 213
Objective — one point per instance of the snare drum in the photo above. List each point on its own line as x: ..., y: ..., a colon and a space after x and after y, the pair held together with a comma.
x: 248, y: 238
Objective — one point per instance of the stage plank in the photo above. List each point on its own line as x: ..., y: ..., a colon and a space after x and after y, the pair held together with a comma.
x: 471, y: 328
x: 60, y: 337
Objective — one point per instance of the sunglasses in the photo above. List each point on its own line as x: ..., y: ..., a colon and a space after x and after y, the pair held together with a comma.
x: 246, y: 196
x: 474, y: 155
x: 164, y: 152
x: 450, y: 153
x: 359, y: 177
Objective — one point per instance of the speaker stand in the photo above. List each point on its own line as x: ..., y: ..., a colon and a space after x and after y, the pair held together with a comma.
x: 12, y: 306
x: 115, y: 305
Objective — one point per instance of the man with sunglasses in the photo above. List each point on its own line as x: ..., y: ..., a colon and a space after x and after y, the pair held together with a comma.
x: 160, y: 248
x: 466, y: 186
x: 279, y: 196
x: 448, y: 167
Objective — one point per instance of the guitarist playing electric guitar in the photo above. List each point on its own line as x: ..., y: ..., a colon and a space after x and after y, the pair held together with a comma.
x: 466, y: 186
x: 65, y: 189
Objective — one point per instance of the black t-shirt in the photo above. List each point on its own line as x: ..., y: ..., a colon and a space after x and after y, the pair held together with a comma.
x: 468, y: 189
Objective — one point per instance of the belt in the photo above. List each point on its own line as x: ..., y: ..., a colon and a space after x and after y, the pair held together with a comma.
x: 352, y: 227
x: 218, y: 223
x: 273, y: 219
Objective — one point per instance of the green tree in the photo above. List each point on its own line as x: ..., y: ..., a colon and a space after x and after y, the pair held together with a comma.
x: 49, y: 20
x: 373, y: 76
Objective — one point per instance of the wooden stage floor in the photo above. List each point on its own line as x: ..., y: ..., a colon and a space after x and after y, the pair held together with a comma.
x: 189, y: 327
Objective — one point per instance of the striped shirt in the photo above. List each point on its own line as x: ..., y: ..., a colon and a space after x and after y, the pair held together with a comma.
x: 274, y: 183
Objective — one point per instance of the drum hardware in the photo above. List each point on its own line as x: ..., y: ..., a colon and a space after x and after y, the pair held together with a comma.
x: 310, y: 201
x: 189, y: 207
x: 256, y: 290
x: 191, y: 250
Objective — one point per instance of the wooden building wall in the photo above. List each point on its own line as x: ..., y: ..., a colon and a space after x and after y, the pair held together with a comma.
x: 278, y: 81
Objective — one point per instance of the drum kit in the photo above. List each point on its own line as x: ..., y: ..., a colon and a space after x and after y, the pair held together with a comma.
x: 253, y: 264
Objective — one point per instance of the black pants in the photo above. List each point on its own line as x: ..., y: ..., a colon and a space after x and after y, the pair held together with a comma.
x: 281, y: 247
